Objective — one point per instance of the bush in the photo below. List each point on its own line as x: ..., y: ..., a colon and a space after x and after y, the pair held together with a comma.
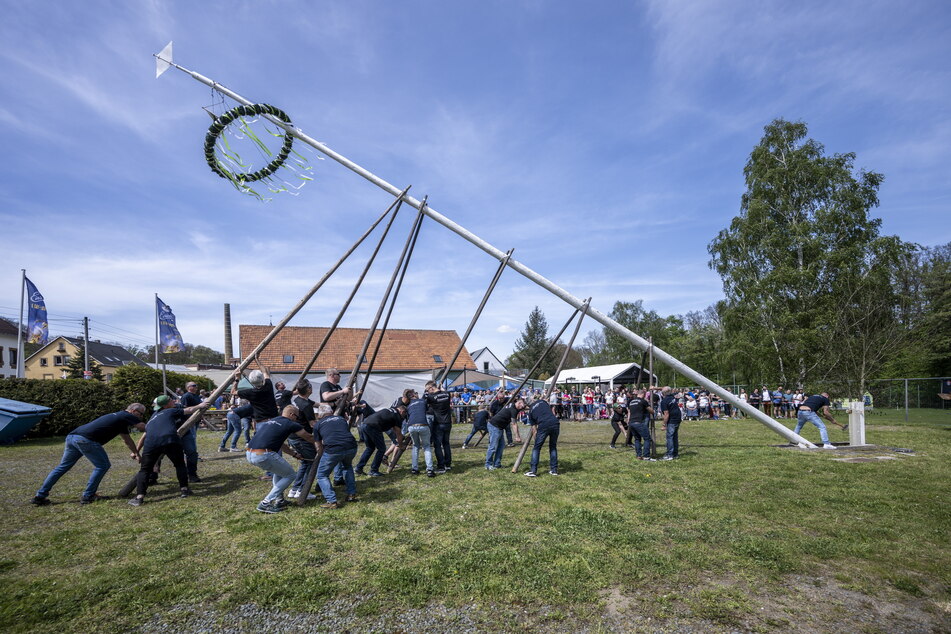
x: 73, y: 402
x: 136, y: 383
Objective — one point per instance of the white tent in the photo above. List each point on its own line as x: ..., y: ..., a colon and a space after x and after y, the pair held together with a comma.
x: 617, y: 373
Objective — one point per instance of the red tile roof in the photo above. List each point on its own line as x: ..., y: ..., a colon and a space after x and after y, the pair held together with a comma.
x: 401, y: 350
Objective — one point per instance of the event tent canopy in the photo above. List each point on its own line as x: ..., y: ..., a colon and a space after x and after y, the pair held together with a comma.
x: 618, y: 373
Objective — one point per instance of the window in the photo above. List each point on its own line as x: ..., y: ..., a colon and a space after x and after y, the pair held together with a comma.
x: 57, y: 359
x: 288, y: 358
x: 13, y: 357
x: 485, y: 367
x: 65, y: 359
x: 43, y: 362
x: 1, y: 356
x: 437, y: 358
x: 62, y: 347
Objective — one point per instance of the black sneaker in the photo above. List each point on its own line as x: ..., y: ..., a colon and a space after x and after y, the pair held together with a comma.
x: 414, y: 471
x: 186, y: 492
x: 194, y: 478
x: 430, y: 473
x: 440, y: 470
x: 280, y: 504
x: 222, y: 450
x: 136, y: 501
x: 375, y: 474
x: 359, y: 472
x: 264, y: 507
x: 448, y: 467
x: 38, y: 501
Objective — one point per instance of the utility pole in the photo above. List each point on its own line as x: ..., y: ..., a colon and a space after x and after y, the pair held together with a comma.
x: 86, y: 373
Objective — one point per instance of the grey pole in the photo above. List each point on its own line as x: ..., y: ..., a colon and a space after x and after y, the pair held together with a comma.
x: 906, y: 400
x: 20, y: 326
x: 85, y: 347
x: 553, y: 288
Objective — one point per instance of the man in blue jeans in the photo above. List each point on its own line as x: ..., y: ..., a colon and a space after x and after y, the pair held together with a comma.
x: 547, y: 427
x: 497, y: 426
x: 809, y: 413
x: 190, y: 440
x: 263, y: 452
x: 672, y: 418
x: 88, y: 440
x: 638, y: 425
x: 333, y: 437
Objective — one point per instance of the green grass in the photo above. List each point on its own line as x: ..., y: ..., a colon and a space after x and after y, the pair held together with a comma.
x: 717, y: 538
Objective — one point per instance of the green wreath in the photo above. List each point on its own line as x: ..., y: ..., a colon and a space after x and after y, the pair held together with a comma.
x: 246, y: 111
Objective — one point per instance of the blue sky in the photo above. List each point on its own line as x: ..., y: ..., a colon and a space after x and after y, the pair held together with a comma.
x: 605, y: 141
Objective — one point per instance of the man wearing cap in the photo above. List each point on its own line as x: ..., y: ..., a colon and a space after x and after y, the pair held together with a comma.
x: 190, y: 440
x: 161, y: 439
x: 264, y: 452
x: 333, y: 437
x: 88, y: 440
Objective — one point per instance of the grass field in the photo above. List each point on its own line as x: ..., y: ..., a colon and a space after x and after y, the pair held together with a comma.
x: 739, y: 534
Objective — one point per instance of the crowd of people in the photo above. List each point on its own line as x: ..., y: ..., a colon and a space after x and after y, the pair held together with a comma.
x: 315, y: 428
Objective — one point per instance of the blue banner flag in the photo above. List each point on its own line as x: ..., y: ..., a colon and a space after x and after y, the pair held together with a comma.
x: 37, y: 327
x: 170, y: 340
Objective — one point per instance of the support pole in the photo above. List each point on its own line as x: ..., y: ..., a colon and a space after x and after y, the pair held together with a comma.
x: 674, y: 364
x: 20, y: 326
x: 85, y: 347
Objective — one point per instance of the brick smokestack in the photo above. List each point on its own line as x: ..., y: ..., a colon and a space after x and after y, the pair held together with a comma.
x: 229, y: 348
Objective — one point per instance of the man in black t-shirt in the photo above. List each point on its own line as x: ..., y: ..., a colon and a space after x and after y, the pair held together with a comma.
x: 331, y: 393
x: 546, y: 426
x: 190, y: 440
x: 269, y: 439
x: 497, y: 426
x: 306, y: 417
x: 161, y: 439
x: 618, y: 423
x: 333, y: 437
x: 441, y: 402
x: 809, y: 413
x: 282, y: 396
x: 672, y: 418
x: 373, y: 429
x: 88, y: 440
x: 480, y: 423
x: 639, y: 416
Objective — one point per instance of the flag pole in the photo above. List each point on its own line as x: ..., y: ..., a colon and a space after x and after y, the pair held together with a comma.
x: 20, y: 326
x: 164, y: 384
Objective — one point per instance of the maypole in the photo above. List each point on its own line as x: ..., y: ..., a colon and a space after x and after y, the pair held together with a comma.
x: 164, y: 62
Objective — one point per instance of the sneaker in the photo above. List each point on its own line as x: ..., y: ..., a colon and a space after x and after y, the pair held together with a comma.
x: 94, y: 498
x: 330, y: 505
x: 280, y: 503
x: 828, y: 446
x: 353, y: 498
x: 530, y: 474
x: 650, y: 459
x: 194, y: 478
x: 511, y: 444
x: 430, y: 473
x: 236, y: 450
x: 440, y: 471
x: 465, y: 446
x: 667, y: 458
x: 222, y: 450
x: 489, y: 468
x: 414, y: 471
x: 448, y: 467
x: 613, y: 446
x: 552, y: 473
x: 136, y: 501
x: 293, y: 494
x: 375, y: 474
x: 185, y: 493
x: 38, y: 501
x: 265, y: 507
x: 359, y: 472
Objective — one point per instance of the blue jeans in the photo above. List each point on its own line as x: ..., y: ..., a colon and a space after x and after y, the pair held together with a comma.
x: 805, y: 416
x: 282, y: 473
x: 441, y: 444
x: 673, y: 440
x: 641, y: 431
x: 309, y: 452
x: 551, y: 433
x: 190, y: 445
x: 76, y: 447
x: 327, y: 463
x: 236, y: 425
x: 475, y: 430
x: 375, y: 443
x: 420, y: 436
x: 493, y: 455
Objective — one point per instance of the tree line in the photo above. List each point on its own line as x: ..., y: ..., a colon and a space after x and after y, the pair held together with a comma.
x: 814, y: 294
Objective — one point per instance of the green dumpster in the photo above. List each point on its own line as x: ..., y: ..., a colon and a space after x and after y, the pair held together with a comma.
x: 17, y: 418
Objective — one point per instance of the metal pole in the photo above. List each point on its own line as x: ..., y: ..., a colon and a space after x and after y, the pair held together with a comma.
x: 676, y: 365
x: 155, y: 307
x: 906, y: 400
x: 20, y: 326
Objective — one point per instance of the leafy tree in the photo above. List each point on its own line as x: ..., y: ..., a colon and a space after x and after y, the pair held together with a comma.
x: 77, y: 365
x: 531, y: 344
x: 190, y: 354
x: 935, y: 332
x: 799, y: 247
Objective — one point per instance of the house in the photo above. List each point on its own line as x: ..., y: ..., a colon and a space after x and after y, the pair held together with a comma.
x: 407, y: 358
x: 8, y: 348
x: 50, y: 361
x: 485, y: 361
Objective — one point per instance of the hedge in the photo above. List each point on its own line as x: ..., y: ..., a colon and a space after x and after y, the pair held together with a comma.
x: 75, y: 402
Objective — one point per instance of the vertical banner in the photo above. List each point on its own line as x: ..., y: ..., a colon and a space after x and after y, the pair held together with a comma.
x: 170, y: 340
x: 37, y: 322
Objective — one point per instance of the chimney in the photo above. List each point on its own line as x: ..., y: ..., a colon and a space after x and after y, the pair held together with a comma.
x: 229, y: 349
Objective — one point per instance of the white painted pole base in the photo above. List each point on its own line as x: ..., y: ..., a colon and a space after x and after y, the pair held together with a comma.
x: 857, y: 424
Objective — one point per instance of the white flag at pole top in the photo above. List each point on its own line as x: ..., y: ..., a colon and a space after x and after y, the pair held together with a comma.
x: 163, y: 60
